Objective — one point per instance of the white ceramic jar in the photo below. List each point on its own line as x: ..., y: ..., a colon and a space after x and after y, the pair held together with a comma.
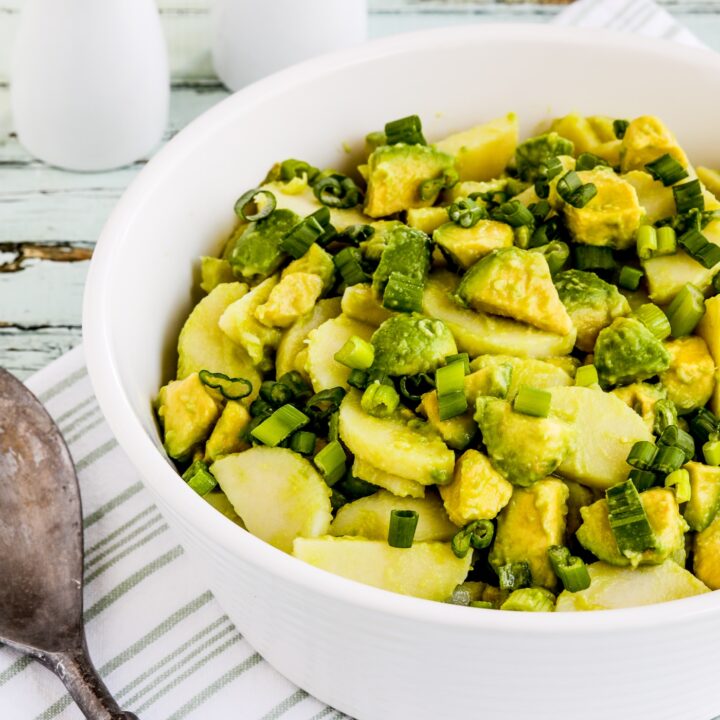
x: 253, y: 39
x: 90, y: 82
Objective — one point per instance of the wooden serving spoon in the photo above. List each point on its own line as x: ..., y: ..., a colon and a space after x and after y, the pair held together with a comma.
x: 41, y: 550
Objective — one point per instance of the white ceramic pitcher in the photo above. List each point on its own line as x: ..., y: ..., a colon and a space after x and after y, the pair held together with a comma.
x: 252, y: 39
x: 90, y: 82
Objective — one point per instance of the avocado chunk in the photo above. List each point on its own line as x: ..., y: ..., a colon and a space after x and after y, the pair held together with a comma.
x: 613, y: 587
x: 398, y: 486
x: 587, y: 134
x: 477, y: 333
x: 579, y: 497
x: 187, y: 413
x: 227, y: 436
x: 656, y: 200
x: 213, y: 272
x: 315, y: 261
x: 525, y: 371
x: 369, y: 517
x: 360, y: 302
x: 399, y: 444
x: 240, y: 324
x: 322, y: 344
x: 591, y: 303
x: 668, y: 526
x: 256, y: 252
x: 709, y: 331
x: 706, y: 555
x: 278, y: 494
x: 611, y: 218
x: 458, y: 431
x: 690, y: 379
x: 536, y: 151
x: 493, y: 379
x: 292, y: 349
x: 704, y: 501
x: 427, y: 219
x: 407, y: 251
x: 627, y: 351
x: 645, y: 140
x: 516, y: 283
x: 532, y: 522
x: 524, y: 449
x: 643, y: 398
x: 477, y: 492
x: 426, y: 570
x: 203, y: 346
x: 468, y: 245
x: 600, y: 420
x: 483, y: 151
x: 395, y: 174
x: 294, y: 296
x: 411, y: 344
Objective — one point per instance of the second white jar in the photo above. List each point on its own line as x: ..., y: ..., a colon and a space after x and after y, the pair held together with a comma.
x: 253, y: 39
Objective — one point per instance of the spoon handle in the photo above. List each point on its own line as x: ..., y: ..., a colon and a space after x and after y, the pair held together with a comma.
x: 85, y: 686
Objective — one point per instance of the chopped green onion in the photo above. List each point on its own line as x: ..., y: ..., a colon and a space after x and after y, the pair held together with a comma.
x: 301, y: 236
x: 521, y: 236
x: 406, y: 130
x: 347, y: 261
x: 589, y: 161
x: 532, y: 401
x: 674, y: 436
x: 199, y: 478
x: 276, y: 394
x: 513, y: 213
x: 654, y: 319
x: 291, y: 169
x: 337, y: 499
x: 230, y: 388
x: 534, y: 599
x: 403, y: 293
x: 703, y: 425
x: 592, y: 257
x: 571, y: 571
x: 571, y: 189
x: 642, y: 455
x: 295, y: 381
x: 540, y: 210
x: 665, y: 415
x: 303, y: 442
x: 255, y: 205
x: 620, y: 127
x: 261, y: 408
x: 699, y: 248
x: 337, y: 191
x: 642, y: 479
x: 680, y: 480
x: 375, y: 139
x: 379, y: 400
x: 686, y: 310
x: 556, y: 253
x: 464, y: 357
x: 716, y: 282
x: 413, y: 387
x: 334, y: 426
x: 514, y: 576
x: 401, y: 531
x: 356, y: 353
x: 485, y: 604
x: 629, y: 277
x: 646, y: 241
x: 477, y: 534
x: 355, y: 234
x: 358, y: 379
x: 354, y: 488
x: 330, y: 461
x: 281, y: 424
x: 466, y: 212
x: 586, y: 375
x: 546, y: 171
x: 668, y: 459
x: 666, y: 241
x: 450, y: 384
x: 628, y: 520
x: 711, y: 452
x: 667, y: 170
x: 688, y: 196
x: 430, y: 188
x: 324, y: 403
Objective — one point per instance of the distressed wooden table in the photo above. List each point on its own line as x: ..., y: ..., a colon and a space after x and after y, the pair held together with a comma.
x: 50, y: 219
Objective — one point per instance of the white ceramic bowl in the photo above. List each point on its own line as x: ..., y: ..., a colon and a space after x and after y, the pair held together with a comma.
x: 373, y: 654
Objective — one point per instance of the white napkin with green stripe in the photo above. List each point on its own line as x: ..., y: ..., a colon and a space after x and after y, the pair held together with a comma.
x: 162, y: 643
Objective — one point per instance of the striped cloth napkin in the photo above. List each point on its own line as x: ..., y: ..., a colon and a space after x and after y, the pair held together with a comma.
x: 165, y: 647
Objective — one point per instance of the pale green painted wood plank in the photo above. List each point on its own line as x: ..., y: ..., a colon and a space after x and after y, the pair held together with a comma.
x: 25, y: 352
